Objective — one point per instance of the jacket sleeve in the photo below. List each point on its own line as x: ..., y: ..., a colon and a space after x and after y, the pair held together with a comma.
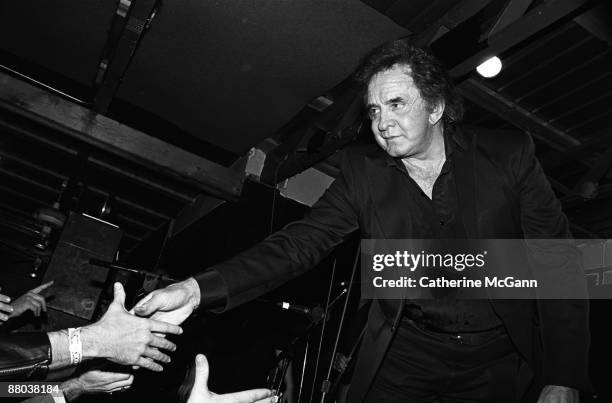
x: 24, y: 356
x: 564, y: 328
x: 285, y: 254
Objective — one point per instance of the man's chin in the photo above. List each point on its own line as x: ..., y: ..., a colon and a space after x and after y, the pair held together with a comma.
x: 395, y: 152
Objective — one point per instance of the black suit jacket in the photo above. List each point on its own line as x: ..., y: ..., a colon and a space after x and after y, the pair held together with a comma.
x: 502, y: 193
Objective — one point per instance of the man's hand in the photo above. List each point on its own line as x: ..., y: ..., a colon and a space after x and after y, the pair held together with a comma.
x: 201, y: 394
x: 172, y: 304
x: 5, y: 308
x: 127, y: 339
x: 558, y: 394
x: 96, y: 382
x: 31, y: 301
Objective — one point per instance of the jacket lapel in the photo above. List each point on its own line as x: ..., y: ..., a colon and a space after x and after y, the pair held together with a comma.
x: 389, y: 197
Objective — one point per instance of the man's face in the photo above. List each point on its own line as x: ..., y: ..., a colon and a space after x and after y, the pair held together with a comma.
x: 402, y: 122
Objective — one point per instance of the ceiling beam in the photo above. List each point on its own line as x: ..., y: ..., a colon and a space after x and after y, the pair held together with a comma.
x: 512, y: 11
x: 453, y: 17
x: 554, y: 159
x: 140, y: 178
x: 314, y: 139
x: 132, y: 19
x: 202, y: 206
x: 87, y: 126
x: 510, y: 111
x: 42, y: 171
x: 596, y: 21
x: 300, y: 163
x: 34, y: 182
x: 37, y: 201
x: 131, y: 204
x: 533, y: 22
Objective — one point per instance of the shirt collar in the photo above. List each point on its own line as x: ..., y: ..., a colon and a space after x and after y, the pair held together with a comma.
x: 453, y: 139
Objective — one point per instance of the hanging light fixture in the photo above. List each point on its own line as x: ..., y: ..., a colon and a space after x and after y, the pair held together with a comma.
x: 490, y: 67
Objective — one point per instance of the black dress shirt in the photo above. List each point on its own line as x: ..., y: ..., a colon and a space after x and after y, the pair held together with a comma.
x: 438, y: 218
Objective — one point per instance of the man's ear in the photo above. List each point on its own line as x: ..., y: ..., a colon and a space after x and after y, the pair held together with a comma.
x: 436, y: 113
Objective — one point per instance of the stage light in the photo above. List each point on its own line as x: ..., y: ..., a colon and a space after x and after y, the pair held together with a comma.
x: 490, y: 68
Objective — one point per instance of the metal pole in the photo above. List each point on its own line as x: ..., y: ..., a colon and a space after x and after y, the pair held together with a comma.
x: 329, y: 291
x: 326, y: 383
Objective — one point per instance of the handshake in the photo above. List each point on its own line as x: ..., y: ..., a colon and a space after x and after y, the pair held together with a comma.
x: 119, y: 336
x: 137, y: 338
x: 165, y: 310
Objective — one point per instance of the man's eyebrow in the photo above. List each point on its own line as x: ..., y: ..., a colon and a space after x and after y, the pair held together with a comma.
x: 394, y: 100
x: 387, y: 102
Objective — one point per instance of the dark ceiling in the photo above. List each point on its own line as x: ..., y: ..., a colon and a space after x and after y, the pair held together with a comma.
x: 217, y: 78
x: 227, y: 72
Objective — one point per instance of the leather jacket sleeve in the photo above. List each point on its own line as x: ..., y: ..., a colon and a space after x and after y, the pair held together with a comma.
x: 24, y: 356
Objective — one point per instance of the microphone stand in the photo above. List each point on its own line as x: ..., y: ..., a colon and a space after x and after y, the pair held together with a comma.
x: 325, y: 385
x: 327, y: 305
x: 306, y: 336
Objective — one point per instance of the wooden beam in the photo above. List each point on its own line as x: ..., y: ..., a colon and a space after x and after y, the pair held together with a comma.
x: 203, y: 204
x: 133, y: 205
x: 42, y: 171
x: 554, y: 159
x: 510, y: 111
x: 283, y: 161
x: 134, y: 21
x: 201, y: 207
x: 37, y: 201
x: 512, y: 11
x: 29, y: 181
x: 140, y: 178
x: 300, y: 163
x: 100, y: 131
x: 453, y: 17
x: 533, y: 22
x: 596, y: 22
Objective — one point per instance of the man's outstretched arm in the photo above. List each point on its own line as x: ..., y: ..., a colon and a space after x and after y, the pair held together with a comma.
x: 282, y: 256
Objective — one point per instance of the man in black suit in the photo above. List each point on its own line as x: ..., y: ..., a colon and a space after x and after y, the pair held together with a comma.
x: 427, y: 178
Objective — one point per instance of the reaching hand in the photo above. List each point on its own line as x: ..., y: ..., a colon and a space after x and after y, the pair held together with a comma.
x: 172, y: 304
x: 31, y: 301
x: 201, y: 394
x: 5, y: 308
x: 96, y: 381
x: 127, y: 339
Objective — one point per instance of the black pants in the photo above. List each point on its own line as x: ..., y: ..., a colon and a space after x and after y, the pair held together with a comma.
x: 423, y: 366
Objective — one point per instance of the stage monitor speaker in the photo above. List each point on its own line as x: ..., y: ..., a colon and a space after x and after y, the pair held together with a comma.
x: 78, y: 284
